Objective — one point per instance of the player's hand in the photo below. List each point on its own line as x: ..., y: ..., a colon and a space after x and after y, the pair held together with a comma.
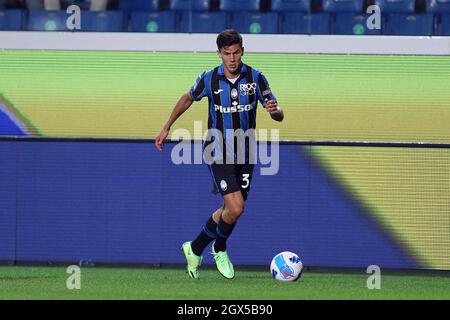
x: 271, y: 106
x: 159, y: 140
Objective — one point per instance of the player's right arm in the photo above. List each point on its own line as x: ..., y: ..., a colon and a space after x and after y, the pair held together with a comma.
x: 181, y: 106
x: 196, y: 93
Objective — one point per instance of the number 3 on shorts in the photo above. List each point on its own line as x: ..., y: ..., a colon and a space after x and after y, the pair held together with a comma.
x: 245, y: 179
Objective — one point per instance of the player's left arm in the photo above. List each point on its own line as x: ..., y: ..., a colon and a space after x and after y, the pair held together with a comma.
x: 268, y: 100
x: 276, y: 113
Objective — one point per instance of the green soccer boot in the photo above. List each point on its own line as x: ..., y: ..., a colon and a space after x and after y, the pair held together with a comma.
x: 223, y: 263
x: 193, y: 261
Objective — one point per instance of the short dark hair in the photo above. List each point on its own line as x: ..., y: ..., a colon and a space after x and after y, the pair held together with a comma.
x: 227, y: 38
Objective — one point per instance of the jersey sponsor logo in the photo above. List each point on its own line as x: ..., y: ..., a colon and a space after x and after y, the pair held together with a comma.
x: 218, y: 91
x: 247, y: 88
x: 267, y: 92
x: 234, y: 108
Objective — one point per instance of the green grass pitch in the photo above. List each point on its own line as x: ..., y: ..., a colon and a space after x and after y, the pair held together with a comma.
x: 172, y: 283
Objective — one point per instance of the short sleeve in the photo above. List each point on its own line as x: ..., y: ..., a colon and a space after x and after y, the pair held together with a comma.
x: 264, y: 91
x: 198, y: 90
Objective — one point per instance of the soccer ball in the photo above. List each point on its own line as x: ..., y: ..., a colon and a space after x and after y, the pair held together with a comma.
x: 286, y: 266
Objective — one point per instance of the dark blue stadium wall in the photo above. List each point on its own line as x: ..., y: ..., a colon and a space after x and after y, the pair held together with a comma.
x: 122, y: 202
x: 8, y: 199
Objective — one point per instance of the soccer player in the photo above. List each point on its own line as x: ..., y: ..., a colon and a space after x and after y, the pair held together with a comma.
x: 233, y: 90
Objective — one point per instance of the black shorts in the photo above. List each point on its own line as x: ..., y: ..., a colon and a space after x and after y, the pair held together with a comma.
x: 229, y: 178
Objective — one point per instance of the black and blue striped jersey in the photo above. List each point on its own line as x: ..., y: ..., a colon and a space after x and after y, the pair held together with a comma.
x: 231, y: 106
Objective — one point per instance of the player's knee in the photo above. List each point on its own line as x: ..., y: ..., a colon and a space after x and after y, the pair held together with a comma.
x: 236, y: 210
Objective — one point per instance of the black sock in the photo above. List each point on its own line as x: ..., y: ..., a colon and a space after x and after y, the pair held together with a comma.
x: 207, y: 235
x: 223, y: 231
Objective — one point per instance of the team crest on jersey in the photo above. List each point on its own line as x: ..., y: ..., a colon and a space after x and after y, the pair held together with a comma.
x: 223, y: 185
x: 234, y: 93
x: 247, y: 88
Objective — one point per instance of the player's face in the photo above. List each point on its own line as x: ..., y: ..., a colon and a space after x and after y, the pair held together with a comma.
x: 231, y: 58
